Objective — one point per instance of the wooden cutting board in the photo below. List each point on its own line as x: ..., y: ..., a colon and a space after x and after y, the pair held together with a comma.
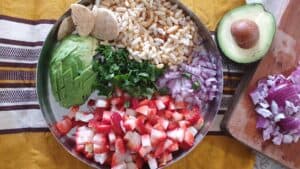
x: 283, y: 57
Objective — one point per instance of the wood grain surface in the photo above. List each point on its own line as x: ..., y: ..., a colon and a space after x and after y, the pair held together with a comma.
x: 283, y: 57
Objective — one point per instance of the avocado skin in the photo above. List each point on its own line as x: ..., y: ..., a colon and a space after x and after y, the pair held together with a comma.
x: 255, y: 55
x: 71, y: 74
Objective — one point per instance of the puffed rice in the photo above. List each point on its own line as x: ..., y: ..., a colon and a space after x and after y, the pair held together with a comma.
x: 154, y: 30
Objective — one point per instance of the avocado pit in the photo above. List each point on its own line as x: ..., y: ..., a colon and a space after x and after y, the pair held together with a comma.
x: 245, y: 33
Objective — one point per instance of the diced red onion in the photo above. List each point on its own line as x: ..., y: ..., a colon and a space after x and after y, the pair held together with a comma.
x: 277, y: 100
x: 201, y: 71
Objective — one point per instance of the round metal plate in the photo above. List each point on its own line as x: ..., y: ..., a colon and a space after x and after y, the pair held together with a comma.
x: 52, y: 112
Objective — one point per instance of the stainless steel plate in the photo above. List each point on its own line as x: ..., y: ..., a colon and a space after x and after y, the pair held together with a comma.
x: 53, y: 112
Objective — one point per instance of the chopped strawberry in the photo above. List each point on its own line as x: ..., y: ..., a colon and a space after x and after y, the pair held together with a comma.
x: 165, y: 158
x: 193, y: 116
x: 88, y: 150
x: 120, y: 166
x: 193, y: 130
x: 106, y: 117
x: 115, y: 121
x: 152, y: 163
x: 164, y: 99
x: 73, y: 111
x: 79, y: 147
x: 177, y: 116
x: 130, y: 123
x: 164, y: 123
x: 188, y: 138
x: 133, y: 141
x: 153, y: 119
x: 172, y: 134
x: 143, y: 151
x: 159, y: 126
x: 101, y: 103
x: 180, y: 105
x: 176, y: 134
x: 174, y: 147
x: 120, y: 146
x: 130, y: 112
x: 172, y: 125
x: 180, y: 134
x: 117, y: 158
x: 167, y: 144
x: 101, y: 158
x: 103, y: 128
x: 184, y: 123
x: 168, y: 114
x: 144, y: 110
x: 148, y: 128
x: 160, y: 104
x: 91, y: 102
x: 199, y: 124
x: 159, y: 149
x: 172, y: 106
x: 146, y: 140
x: 152, y: 104
x: 118, y: 92
x: 131, y: 165
x: 138, y: 161
x: 117, y: 101
x: 98, y: 113
x: 64, y: 126
x: 157, y: 136
x: 84, y: 117
x: 100, y: 143
x: 84, y: 135
x: 140, y: 125
x: 134, y: 103
x: 112, y: 137
x: 144, y: 102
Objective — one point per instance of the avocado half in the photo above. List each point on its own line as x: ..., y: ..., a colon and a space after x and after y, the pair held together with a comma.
x: 266, y: 24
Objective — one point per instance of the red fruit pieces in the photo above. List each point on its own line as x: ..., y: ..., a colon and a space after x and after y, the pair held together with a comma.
x: 120, y: 146
x: 133, y: 141
x: 116, y: 123
x: 84, y: 135
x: 100, y: 144
x: 103, y: 128
x: 130, y: 123
x: 140, y: 125
x: 188, y: 138
x: 146, y: 140
x: 101, y: 103
x: 144, y: 110
x: 160, y: 104
x: 64, y: 126
x: 193, y: 116
x: 101, y: 158
x: 157, y: 136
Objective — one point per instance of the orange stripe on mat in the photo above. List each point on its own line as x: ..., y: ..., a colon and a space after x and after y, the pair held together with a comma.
x: 27, y: 69
x: 18, y: 81
x: 231, y: 78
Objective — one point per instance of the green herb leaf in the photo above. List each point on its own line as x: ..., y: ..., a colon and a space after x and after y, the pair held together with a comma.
x: 196, y: 85
x: 115, y: 68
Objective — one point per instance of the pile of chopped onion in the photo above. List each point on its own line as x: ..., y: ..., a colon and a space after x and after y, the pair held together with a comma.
x: 277, y: 100
x: 195, y: 83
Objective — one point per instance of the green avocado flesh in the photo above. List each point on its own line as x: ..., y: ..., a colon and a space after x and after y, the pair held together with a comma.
x: 266, y: 25
x: 71, y: 74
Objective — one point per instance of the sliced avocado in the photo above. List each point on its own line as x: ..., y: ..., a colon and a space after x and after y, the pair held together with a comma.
x: 71, y: 69
x: 228, y: 42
